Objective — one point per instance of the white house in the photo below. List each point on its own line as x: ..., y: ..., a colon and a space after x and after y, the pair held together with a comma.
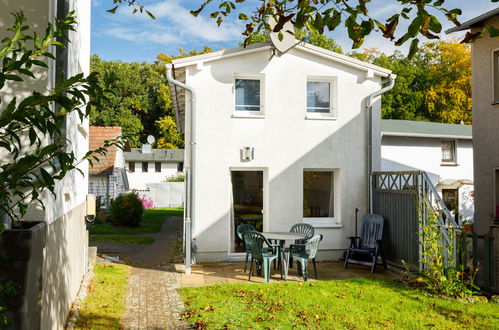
x: 146, y: 165
x: 444, y: 151
x: 280, y: 139
x: 108, y: 177
x: 66, y: 241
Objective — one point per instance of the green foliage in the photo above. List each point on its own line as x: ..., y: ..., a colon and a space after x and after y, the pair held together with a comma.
x: 442, y: 275
x: 8, y: 291
x: 328, y: 14
x: 32, y: 125
x: 346, y: 304
x: 176, y: 178
x: 126, y: 210
x: 122, y: 238
x: 170, y: 137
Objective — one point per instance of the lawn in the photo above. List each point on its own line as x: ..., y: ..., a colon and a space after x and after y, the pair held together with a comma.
x: 151, y: 223
x: 104, y: 305
x: 342, y: 304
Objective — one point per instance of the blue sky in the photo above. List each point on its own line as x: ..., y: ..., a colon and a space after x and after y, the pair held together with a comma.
x: 128, y: 37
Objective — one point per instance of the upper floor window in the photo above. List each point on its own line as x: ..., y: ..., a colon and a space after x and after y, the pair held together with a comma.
x: 321, y: 97
x: 248, y: 95
x: 157, y: 166
x: 318, y: 96
x: 131, y: 166
x: 448, y: 151
x: 495, y: 66
x: 145, y: 166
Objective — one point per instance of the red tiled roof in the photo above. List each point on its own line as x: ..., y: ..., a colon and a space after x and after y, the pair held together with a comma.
x: 98, y: 134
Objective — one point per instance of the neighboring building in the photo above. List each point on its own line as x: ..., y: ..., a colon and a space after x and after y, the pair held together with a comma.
x: 280, y: 140
x: 64, y: 260
x: 485, y: 94
x: 148, y: 165
x: 444, y: 151
x: 108, y: 178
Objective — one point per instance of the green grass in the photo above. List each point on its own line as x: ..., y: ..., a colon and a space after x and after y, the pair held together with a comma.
x: 119, y: 238
x: 104, y: 306
x: 160, y: 215
x: 144, y: 228
x: 354, y: 303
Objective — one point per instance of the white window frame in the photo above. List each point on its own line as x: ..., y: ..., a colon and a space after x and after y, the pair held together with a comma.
x: 325, y: 222
x: 249, y: 114
x: 450, y: 162
x: 333, y: 98
x: 495, y: 98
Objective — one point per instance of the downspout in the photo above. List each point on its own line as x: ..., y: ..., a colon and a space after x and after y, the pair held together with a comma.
x: 191, y: 176
x: 369, y: 108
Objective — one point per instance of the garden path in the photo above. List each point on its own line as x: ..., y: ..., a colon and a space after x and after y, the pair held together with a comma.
x: 152, y: 301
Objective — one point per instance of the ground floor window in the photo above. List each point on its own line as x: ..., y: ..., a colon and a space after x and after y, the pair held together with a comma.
x: 318, y: 194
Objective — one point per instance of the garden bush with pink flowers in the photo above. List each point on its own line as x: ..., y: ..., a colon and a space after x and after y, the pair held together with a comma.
x: 147, y: 203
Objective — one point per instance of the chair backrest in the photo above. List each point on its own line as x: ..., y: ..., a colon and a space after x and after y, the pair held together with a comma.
x: 242, y: 228
x: 303, y: 228
x: 313, y: 245
x: 254, y: 242
x: 372, y: 230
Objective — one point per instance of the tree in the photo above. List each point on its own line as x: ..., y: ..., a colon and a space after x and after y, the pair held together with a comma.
x: 434, y: 85
x: 134, y: 105
x: 328, y: 14
x: 170, y: 138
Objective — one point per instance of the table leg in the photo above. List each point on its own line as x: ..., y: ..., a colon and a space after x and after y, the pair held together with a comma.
x: 285, y: 264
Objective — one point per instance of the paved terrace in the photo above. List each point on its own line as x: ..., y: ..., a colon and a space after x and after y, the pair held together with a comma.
x: 233, y: 272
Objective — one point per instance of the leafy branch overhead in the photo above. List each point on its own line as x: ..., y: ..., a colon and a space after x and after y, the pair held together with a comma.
x: 136, y: 5
x: 35, y: 151
x: 324, y: 15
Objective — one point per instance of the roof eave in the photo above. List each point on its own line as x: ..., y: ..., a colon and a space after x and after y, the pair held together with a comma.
x: 474, y: 22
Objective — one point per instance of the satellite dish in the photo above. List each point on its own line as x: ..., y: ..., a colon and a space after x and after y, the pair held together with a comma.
x: 150, y: 139
x: 287, y: 32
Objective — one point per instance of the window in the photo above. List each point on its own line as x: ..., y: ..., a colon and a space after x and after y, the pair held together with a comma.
x: 157, y: 166
x: 180, y: 167
x: 451, y: 199
x: 495, y: 67
x: 448, y: 151
x: 145, y: 167
x: 318, y: 194
x: 318, y: 96
x: 131, y: 166
x: 248, y: 95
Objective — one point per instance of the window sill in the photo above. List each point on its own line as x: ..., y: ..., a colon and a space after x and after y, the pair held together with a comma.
x: 494, y: 102
x: 315, y: 116
x: 246, y: 115
x: 449, y: 164
x: 322, y: 222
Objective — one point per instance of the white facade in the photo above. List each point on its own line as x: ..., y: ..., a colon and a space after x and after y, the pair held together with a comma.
x: 64, y: 253
x: 286, y: 140
x: 414, y: 153
x: 139, y: 179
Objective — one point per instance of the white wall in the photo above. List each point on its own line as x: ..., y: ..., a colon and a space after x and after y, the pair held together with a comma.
x: 165, y: 194
x: 400, y: 153
x: 139, y: 180
x: 285, y: 144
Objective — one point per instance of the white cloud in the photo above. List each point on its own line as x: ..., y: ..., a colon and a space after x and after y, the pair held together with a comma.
x: 173, y: 23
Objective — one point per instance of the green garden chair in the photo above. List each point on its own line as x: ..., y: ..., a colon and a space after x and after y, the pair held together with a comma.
x: 256, y: 242
x: 240, y: 230
x: 301, y: 228
x: 305, y: 252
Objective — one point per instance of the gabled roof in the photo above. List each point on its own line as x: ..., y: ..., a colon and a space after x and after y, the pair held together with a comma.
x: 99, y: 134
x: 300, y: 45
x: 178, y: 65
x: 474, y: 22
x: 156, y: 155
x: 411, y: 128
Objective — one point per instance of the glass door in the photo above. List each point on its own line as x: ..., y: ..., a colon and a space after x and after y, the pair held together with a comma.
x: 247, y: 204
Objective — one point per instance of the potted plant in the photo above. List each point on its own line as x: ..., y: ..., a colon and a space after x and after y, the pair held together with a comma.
x: 34, y: 156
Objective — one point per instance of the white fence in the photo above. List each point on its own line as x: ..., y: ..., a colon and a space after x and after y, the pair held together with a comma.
x: 165, y: 194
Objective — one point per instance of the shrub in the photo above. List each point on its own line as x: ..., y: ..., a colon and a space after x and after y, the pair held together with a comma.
x: 176, y: 178
x: 126, y: 210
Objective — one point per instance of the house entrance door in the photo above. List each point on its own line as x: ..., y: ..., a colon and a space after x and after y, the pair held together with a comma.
x: 247, y: 204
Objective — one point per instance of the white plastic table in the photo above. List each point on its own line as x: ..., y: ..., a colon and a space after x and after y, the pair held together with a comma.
x: 283, y: 236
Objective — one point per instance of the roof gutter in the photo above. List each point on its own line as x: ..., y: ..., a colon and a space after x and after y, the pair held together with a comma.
x: 191, y: 173
x: 369, y: 108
